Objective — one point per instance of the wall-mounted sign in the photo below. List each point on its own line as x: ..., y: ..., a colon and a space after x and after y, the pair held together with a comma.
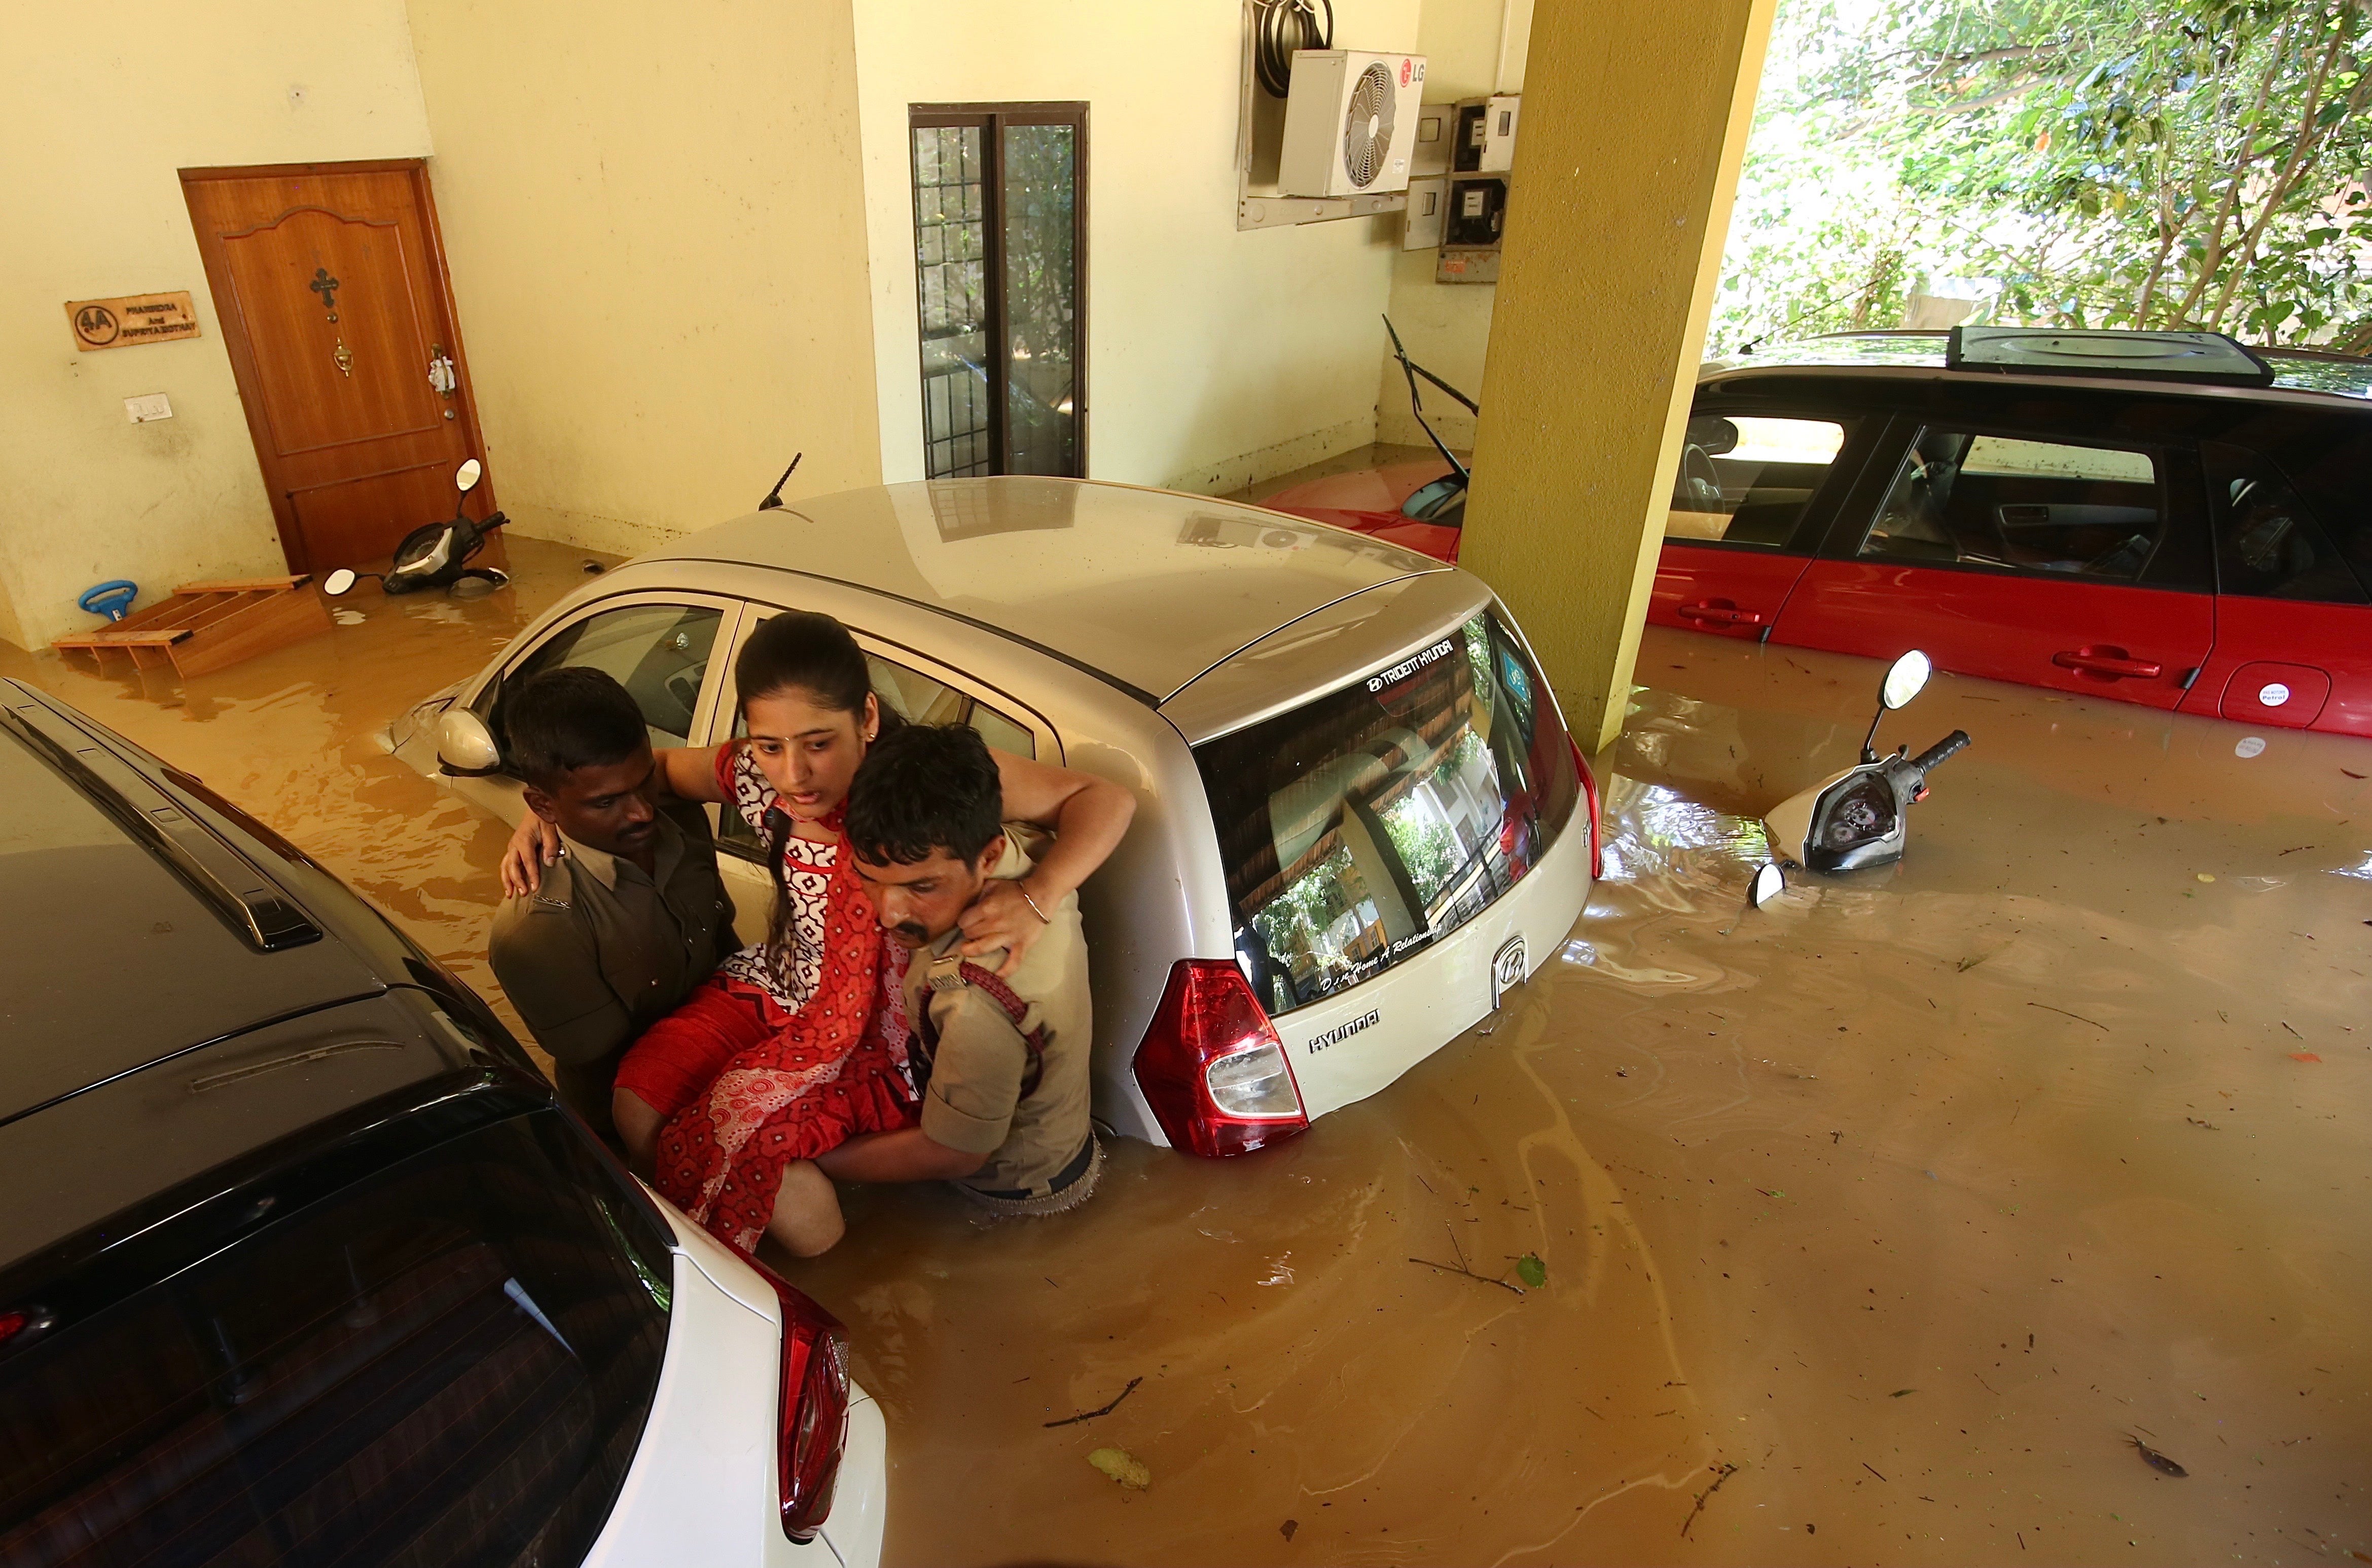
x: 134, y: 318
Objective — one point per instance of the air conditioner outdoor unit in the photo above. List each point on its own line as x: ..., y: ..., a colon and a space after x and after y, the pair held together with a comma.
x: 1349, y: 123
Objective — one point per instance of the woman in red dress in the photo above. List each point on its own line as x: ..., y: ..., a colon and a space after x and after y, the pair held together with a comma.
x: 797, y: 1044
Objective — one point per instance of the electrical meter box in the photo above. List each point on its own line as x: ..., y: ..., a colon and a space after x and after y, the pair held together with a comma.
x: 1486, y: 134
x: 1428, y: 203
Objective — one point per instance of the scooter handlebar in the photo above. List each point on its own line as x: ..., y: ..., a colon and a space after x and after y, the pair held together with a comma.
x: 1942, y: 752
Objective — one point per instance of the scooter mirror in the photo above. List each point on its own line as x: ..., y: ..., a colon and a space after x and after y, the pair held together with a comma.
x: 341, y: 581
x: 1769, y: 883
x: 1904, y: 678
x: 465, y: 478
x: 464, y: 744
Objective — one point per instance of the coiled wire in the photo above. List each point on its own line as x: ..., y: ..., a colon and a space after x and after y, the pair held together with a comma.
x: 1282, y: 27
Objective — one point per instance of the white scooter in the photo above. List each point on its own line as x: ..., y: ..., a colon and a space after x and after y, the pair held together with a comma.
x: 436, y: 556
x: 1853, y: 820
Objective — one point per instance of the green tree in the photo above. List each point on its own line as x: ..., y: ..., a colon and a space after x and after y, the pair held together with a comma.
x: 2142, y: 163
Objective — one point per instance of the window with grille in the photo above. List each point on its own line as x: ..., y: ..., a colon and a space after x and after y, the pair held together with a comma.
x: 1000, y: 226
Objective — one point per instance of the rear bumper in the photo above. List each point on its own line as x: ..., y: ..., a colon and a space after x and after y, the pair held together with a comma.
x: 1350, y: 1046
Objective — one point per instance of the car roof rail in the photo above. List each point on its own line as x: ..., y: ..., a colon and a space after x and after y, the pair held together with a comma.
x: 266, y: 917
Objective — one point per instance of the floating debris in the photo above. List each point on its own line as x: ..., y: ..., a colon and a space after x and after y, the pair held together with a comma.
x: 1106, y: 1409
x: 2155, y: 1459
x: 1122, y: 1467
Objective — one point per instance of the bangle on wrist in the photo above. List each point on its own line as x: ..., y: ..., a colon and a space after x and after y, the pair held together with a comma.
x: 1026, y: 898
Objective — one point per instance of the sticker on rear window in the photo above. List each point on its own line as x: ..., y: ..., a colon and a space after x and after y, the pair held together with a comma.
x: 1410, y: 666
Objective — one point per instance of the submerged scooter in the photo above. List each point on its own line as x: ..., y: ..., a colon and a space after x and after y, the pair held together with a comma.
x: 438, y: 554
x: 1854, y: 819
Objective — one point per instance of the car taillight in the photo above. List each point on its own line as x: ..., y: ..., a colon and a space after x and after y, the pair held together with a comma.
x: 1211, y: 1066
x: 814, y: 1413
x: 1589, y: 800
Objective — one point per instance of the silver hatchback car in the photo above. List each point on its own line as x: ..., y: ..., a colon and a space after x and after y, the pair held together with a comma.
x: 1359, y: 817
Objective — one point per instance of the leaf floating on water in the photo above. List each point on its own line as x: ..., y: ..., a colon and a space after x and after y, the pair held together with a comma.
x: 1531, y: 1271
x: 1899, y: 1392
x: 1122, y: 1467
x: 1286, y: 1528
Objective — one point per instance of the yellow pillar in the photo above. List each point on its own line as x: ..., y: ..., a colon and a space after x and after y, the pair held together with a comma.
x: 1634, y: 125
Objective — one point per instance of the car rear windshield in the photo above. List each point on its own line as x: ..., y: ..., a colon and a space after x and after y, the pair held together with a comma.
x: 1361, y: 827
x: 448, y: 1362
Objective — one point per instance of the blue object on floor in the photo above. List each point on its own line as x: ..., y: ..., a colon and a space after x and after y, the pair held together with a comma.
x: 111, y: 599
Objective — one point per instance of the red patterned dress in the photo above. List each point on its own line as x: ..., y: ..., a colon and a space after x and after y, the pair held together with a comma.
x: 785, y: 1051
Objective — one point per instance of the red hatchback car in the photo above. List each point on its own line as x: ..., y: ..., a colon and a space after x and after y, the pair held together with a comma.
x: 2164, y: 518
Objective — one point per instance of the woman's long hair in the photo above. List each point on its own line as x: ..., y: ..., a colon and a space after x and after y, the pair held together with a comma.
x: 812, y: 653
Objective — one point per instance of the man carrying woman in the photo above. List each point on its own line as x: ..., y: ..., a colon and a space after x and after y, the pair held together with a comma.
x: 799, y: 1044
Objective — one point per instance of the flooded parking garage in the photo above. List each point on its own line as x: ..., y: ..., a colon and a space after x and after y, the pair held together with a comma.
x: 1875, y: 1225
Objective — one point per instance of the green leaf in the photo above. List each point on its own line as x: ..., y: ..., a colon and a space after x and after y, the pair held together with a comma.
x: 1531, y: 1271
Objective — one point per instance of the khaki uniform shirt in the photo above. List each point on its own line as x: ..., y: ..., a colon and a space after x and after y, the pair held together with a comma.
x: 605, y: 950
x: 974, y: 1101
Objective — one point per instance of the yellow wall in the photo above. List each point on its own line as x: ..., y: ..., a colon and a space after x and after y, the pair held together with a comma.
x: 1473, y: 48
x: 103, y: 109
x: 1627, y: 170
x: 655, y: 222
x: 1214, y: 358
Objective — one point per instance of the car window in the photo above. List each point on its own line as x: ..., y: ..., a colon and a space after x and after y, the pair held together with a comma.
x: 2048, y: 507
x: 1746, y: 479
x: 2269, y: 544
x: 915, y: 697
x: 1364, y: 824
x: 448, y: 1361
x: 657, y: 652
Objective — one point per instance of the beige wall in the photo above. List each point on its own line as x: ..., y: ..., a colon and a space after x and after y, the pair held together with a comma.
x: 1214, y: 358
x: 104, y: 108
x: 657, y: 233
x: 1473, y: 48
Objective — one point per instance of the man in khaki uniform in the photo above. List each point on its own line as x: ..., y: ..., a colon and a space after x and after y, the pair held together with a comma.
x: 1003, y: 1062
x: 631, y: 917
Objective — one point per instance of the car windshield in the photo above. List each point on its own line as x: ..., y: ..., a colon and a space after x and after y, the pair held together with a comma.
x: 448, y: 1361
x: 1361, y: 827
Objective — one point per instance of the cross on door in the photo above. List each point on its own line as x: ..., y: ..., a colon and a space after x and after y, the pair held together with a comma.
x: 326, y: 286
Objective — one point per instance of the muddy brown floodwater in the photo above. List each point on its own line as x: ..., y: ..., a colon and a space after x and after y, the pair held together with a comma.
x: 1876, y: 1224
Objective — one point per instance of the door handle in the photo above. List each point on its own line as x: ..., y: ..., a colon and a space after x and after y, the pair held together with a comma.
x: 1718, y: 613
x: 2111, y: 664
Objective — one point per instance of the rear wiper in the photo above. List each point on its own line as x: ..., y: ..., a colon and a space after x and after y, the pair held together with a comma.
x: 1416, y: 400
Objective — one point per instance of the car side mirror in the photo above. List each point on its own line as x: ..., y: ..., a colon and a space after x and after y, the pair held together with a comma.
x: 465, y: 746
x: 465, y: 478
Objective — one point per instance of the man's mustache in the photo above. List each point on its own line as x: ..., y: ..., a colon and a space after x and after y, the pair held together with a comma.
x: 912, y: 931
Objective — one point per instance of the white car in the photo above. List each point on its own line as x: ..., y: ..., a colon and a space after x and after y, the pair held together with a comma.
x: 722, y: 1439
x: 1359, y: 817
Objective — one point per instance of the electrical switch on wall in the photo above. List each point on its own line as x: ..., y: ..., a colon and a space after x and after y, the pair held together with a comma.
x: 153, y: 405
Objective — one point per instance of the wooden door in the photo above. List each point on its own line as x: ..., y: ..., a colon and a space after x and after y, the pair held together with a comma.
x: 329, y: 282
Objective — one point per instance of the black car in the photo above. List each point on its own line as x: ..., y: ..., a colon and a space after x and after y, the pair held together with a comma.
x: 300, y: 1260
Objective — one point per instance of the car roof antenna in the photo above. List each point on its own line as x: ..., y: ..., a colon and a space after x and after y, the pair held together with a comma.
x: 773, y: 501
x: 1416, y: 400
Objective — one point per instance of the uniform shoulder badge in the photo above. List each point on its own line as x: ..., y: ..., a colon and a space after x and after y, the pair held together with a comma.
x: 945, y: 973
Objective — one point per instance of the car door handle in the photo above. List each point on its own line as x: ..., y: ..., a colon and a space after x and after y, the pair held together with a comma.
x: 2111, y: 663
x: 1720, y: 614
